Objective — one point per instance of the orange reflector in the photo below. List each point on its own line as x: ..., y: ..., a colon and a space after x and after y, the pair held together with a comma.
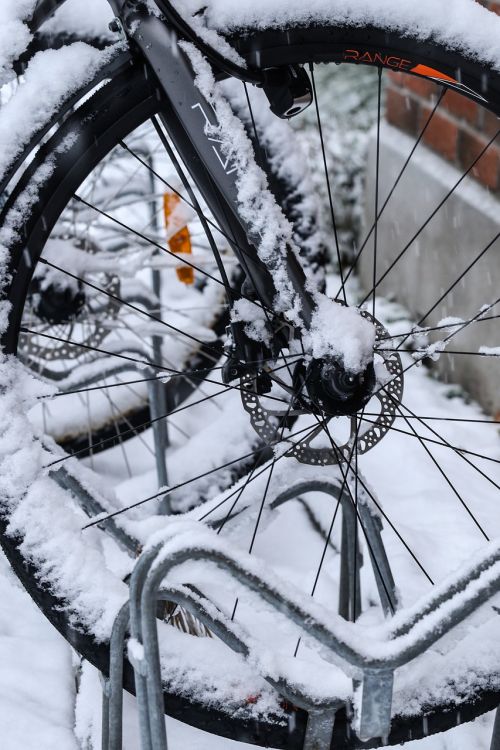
x: 424, y: 70
x: 180, y: 242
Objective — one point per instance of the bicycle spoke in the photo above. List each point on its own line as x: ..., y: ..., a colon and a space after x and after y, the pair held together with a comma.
x: 448, y: 480
x: 257, y: 521
x: 235, y: 293
x: 461, y: 277
x: 196, y: 206
x: 328, y: 183
x: 377, y: 185
x: 393, y: 188
x: 465, y: 420
x: 429, y: 219
x: 131, y: 306
x: 168, y: 490
x: 134, y: 430
x: 462, y: 327
x: 458, y: 452
x: 444, y: 351
x: 443, y: 327
x: 445, y: 444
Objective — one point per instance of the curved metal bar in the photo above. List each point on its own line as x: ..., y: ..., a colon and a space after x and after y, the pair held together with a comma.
x: 92, y: 507
x: 349, y: 583
x: 334, y: 636
x: 233, y: 636
x: 374, y: 694
x: 113, y: 735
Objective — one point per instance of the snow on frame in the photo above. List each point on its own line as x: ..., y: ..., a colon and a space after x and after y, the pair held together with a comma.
x: 272, y: 233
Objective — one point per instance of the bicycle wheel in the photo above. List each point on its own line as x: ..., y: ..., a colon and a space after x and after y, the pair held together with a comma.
x: 61, y: 304
x: 254, y: 714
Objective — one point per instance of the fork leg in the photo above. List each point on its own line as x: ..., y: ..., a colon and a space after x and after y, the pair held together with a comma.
x: 495, y: 737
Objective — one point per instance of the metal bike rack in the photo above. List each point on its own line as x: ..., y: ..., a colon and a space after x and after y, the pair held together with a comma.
x: 397, y: 642
x: 139, y: 617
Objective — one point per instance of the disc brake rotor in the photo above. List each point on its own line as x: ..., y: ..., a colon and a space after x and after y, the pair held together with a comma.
x: 266, y: 422
x: 90, y: 325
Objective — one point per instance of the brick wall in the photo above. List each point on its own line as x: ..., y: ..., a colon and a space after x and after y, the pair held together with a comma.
x: 459, y: 129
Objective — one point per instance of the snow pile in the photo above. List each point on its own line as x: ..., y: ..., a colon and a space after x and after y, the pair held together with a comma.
x: 14, y: 33
x: 340, y: 332
x: 51, y: 78
x: 43, y: 516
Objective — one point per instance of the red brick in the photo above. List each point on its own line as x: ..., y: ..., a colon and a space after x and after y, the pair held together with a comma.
x: 487, y: 168
x: 419, y: 85
x: 495, y: 7
x: 489, y: 124
x: 441, y: 134
x: 401, y: 110
x: 461, y: 107
x: 394, y: 76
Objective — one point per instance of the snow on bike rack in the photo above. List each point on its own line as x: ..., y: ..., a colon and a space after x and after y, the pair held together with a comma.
x: 368, y: 657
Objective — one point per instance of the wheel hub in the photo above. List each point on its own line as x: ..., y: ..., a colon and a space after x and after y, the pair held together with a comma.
x: 336, y: 392
x: 58, y: 304
x: 331, y: 393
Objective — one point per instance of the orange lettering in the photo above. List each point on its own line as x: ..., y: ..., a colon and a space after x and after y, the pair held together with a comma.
x: 351, y: 54
x: 405, y: 64
x: 393, y: 62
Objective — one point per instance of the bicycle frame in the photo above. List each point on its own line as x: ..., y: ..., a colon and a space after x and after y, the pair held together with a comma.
x: 186, y: 119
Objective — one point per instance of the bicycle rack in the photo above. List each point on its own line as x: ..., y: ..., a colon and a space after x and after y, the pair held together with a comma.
x: 139, y: 617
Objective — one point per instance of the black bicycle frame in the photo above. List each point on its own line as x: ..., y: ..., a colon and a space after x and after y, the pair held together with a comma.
x: 187, y: 122
x: 154, y: 42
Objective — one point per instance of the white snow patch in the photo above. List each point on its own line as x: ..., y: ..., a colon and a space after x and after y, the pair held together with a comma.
x: 460, y: 24
x: 342, y: 332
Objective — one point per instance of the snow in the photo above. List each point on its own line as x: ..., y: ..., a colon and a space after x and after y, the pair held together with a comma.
x: 340, y: 332
x: 450, y: 322
x: 89, y: 19
x: 461, y: 24
x: 37, y: 675
x: 51, y: 77
x: 14, y: 33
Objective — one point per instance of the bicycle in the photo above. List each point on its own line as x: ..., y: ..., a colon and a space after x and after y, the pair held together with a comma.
x: 310, y: 392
